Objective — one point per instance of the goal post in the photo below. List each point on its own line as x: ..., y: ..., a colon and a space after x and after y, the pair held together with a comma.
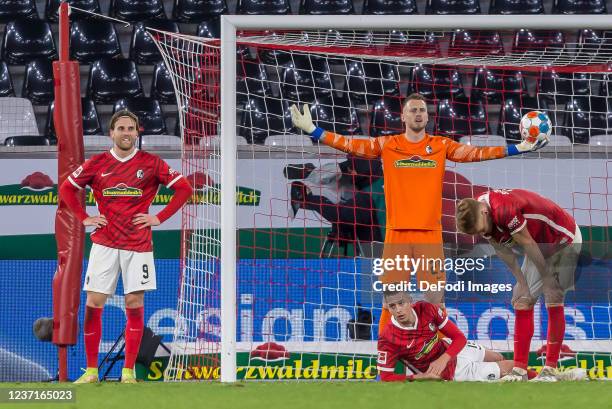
x: 221, y: 302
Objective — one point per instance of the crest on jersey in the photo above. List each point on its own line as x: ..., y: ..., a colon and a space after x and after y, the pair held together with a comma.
x: 432, y: 327
x: 428, y: 149
x: 140, y: 174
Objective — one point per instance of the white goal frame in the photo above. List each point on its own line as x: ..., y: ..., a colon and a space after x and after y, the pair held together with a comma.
x: 230, y: 24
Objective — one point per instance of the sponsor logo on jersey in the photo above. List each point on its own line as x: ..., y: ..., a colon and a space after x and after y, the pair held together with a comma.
x: 140, y: 174
x: 382, y: 357
x: 77, y: 172
x: 427, y: 347
x: 513, y: 223
x: 122, y: 190
x: 415, y: 162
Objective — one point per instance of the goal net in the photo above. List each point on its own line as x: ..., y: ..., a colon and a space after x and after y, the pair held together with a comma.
x: 277, y: 279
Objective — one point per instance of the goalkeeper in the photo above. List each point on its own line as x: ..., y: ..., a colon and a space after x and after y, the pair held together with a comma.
x: 413, y: 167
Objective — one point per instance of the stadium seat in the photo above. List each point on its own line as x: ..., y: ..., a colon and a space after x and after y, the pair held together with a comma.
x: 161, y: 85
x: 591, y: 40
x: 475, y: 43
x: 601, y: 140
x: 560, y: 87
x: 586, y: 116
x: 164, y: 141
x: 460, y: 117
x: 38, y: 82
x: 26, y: 140
x: 306, y: 77
x: 494, y: 85
x: 417, y: 42
x: 452, y: 7
x: 252, y: 79
x: 111, y: 79
x: 17, y: 118
x: 137, y: 10
x: 369, y: 81
x: 91, y: 40
x: 142, y: 48
x: 6, y: 82
x: 91, y: 121
x: 149, y: 113
x: 262, y: 117
x: 209, y: 28
x: 579, y: 7
x: 512, y: 110
x: 385, y: 117
x: 381, y: 7
x: 559, y: 140
x: 516, y: 7
x: 318, y: 7
x: 483, y: 140
x: 534, y: 42
x: 336, y: 114
x: 52, y: 6
x: 253, y: 7
x: 26, y: 39
x: 439, y: 83
x: 17, y: 9
x: 605, y: 86
x: 194, y: 11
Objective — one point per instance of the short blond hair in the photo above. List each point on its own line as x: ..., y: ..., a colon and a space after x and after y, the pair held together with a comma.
x: 467, y: 215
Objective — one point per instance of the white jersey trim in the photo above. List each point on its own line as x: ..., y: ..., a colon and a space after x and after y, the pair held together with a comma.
x: 380, y: 368
x: 443, y: 323
x: 130, y: 156
x: 173, y: 181
x: 549, y: 222
x: 521, y: 227
x: 75, y: 184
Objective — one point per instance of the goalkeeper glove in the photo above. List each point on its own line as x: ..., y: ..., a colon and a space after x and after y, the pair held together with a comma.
x: 304, y: 122
x: 525, y: 146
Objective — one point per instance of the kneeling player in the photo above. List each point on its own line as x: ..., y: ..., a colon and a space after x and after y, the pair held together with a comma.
x: 552, y: 242
x: 412, y: 338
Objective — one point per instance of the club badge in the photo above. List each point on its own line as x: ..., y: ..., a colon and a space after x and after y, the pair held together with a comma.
x: 140, y: 174
x: 428, y: 149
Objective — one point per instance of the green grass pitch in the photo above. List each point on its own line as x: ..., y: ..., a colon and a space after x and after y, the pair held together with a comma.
x: 320, y: 395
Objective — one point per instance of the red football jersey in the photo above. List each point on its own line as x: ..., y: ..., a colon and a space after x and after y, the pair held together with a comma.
x: 515, y: 209
x: 123, y: 187
x: 416, y: 346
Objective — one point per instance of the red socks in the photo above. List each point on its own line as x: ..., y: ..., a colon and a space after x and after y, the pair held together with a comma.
x: 133, y: 334
x: 385, y: 318
x: 556, y: 332
x: 523, y: 332
x: 92, y: 333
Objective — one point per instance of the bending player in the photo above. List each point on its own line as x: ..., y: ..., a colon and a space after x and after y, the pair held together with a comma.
x: 124, y: 181
x: 413, y: 167
x: 552, y: 242
x: 411, y: 337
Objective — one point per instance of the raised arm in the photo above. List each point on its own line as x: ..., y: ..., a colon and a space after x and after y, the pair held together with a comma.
x: 365, y: 148
x: 458, y: 152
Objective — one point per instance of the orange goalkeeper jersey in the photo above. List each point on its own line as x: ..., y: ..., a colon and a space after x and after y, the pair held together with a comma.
x: 413, y: 173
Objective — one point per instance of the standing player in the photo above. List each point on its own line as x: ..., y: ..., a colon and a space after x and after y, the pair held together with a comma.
x: 124, y: 181
x: 551, y: 240
x: 413, y: 167
x: 411, y: 337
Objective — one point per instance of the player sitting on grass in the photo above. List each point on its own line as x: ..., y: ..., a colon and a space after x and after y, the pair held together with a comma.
x: 551, y: 240
x: 411, y: 337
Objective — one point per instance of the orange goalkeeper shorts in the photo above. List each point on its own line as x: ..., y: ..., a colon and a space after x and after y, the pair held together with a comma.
x: 415, y: 245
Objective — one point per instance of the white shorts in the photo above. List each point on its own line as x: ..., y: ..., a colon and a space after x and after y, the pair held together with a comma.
x: 471, y: 366
x: 137, y: 270
x: 563, y: 264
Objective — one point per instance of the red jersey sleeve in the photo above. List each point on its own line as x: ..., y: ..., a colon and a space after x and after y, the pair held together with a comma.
x: 439, y: 317
x: 508, y: 215
x: 166, y: 175
x: 84, y: 174
x: 388, y: 355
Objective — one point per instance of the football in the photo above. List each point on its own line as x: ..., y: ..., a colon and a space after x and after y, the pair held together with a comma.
x: 535, y: 126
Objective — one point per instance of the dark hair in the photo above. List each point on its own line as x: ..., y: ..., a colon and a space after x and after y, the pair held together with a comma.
x: 412, y: 97
x: 121, y: 114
